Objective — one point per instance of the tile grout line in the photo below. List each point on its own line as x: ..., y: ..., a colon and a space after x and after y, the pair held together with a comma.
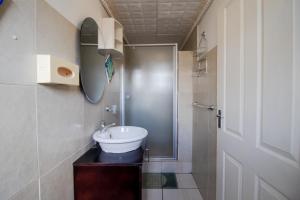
x: 37, y: 143
x: 36, y: 104
x: 65, y: 159
x: 22, y: 188
x: 177, y: 189
x: 17, y: 84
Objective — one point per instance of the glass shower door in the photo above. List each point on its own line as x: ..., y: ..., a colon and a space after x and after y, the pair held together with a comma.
x: 150, y: 95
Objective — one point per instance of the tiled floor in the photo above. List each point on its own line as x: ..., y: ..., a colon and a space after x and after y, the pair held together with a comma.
x: 159, y: 181
x: 187, y: 190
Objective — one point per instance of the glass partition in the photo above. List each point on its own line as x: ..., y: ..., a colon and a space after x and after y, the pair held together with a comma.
x: 150, y: 95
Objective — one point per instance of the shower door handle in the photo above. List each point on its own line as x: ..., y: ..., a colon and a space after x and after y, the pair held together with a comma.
x: 219, y: 118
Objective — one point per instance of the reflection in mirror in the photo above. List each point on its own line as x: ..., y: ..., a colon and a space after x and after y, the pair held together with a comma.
x: 92, y: 68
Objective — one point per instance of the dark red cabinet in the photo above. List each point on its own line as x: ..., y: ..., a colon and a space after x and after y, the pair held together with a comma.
x: 102, y: 176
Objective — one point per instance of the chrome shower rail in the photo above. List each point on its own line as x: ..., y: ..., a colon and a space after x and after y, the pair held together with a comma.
x: 210, y: 107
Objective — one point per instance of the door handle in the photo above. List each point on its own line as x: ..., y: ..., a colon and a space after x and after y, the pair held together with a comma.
x: 219, y: 116
x: 211, y: 107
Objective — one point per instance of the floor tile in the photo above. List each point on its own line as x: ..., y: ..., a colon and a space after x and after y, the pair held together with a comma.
x: 170, y: 167
x: 169, y: 181
x: 159, y: 181
x: 186, y: 181
x: 152, y: 167
x: 152, y: 180
x: 152, y: 194
x: 186, y: 167
x: 181, y: 194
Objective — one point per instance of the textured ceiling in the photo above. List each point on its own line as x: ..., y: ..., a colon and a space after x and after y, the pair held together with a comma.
x: 156, y: 21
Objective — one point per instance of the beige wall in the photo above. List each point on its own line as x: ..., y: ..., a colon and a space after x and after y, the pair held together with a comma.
x: 43, y: 129
x: 77, y: 10
x: 204, y: 123
x: 209, y: 24
x: 191, y: 44
x: 205, y: 129
x: 185, y: 113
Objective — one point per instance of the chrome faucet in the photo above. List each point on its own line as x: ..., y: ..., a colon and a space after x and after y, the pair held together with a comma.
x: 105, y: 127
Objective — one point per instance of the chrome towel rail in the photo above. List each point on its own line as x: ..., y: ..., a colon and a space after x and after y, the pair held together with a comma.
x: 210, y: 107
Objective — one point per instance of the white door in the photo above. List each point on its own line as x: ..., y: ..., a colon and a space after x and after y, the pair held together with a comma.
x: 259, y: 95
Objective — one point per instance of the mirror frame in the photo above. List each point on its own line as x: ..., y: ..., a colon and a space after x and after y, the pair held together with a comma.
x: 81, y: 65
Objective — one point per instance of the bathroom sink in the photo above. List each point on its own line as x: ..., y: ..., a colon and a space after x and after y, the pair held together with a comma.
x: 120, y: 139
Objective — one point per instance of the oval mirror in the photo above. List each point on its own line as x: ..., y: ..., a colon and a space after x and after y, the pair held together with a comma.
x: 92, y: 68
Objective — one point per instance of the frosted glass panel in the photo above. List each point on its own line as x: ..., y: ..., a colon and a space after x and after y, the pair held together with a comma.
x: 148, y: 84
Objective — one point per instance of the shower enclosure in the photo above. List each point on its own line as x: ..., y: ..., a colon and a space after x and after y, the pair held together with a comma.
x: 150, y: 95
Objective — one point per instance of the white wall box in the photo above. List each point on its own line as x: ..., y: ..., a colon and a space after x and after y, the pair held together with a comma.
x: 53, y: 70
x: 111, y: 40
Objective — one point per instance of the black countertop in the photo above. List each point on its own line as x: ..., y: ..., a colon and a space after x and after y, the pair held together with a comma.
x: 95, y: 156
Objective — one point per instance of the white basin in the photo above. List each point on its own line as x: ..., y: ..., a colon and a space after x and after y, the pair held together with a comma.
x: 120, y: 139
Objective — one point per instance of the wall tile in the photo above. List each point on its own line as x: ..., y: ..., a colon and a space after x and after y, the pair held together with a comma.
x: 185, y: 120
x: 186, y: 181
x: 170, y: 167
x: 30, y: 192
x: 111, y: 98
x: 93, y: 114
x: 73, y: 119
x: 185, y: 84
x: 60, y: 108
x: 58, y: 183
x: 18, y: 145
x: 196, y: 87
x: 152, y: 167
x: 205, y: 129
x: 186, y: 194
x: 185, y: 113
x: 17, y: 60
x: 56, y: 35
x: 185, y: 66
x: 60, y: 124
x: 56, y: 116
x: 152, y: 194
x: 186, y: 167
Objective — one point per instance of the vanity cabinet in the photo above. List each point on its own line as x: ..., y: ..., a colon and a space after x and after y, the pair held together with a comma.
x: 107, y: 176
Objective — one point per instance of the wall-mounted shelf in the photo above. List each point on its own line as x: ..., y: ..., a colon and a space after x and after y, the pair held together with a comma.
x: 53, y: 70
x: 111, y: 42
